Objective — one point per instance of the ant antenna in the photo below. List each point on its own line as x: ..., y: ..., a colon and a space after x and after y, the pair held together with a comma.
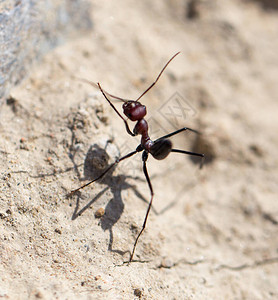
x: 97, y: 86
x: 157, y: 77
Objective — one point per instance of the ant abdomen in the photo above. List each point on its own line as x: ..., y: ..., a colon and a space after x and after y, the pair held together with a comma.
x: 161, y: 149
x: 134, y: 110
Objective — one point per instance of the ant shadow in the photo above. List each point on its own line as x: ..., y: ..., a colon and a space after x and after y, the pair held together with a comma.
x: 96, y: 162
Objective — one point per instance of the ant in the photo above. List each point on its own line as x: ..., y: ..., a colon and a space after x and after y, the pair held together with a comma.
x: 159, y: 149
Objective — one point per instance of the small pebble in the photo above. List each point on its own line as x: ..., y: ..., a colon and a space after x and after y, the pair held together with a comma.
x: 100, y: 212
x: 57, y: 230
x: 138, y: 293
x: 166, y: 263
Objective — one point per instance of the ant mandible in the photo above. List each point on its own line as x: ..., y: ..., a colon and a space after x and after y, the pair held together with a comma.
x: 159, y: 149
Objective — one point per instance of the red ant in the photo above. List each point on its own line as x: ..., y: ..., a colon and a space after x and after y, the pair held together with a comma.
x: 159, y: 149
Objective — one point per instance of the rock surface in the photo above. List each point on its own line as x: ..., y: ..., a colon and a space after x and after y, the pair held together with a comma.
x: 29, y: 29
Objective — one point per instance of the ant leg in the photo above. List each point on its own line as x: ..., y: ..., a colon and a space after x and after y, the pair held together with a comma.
x: 176, y: 132
x: 157, y: 77
x: 144, y: 157
x: 108, y: 169
x: 115, y: 109
x: 191, y: 153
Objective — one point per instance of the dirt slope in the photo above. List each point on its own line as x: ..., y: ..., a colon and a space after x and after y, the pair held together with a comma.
x: 213, y: 232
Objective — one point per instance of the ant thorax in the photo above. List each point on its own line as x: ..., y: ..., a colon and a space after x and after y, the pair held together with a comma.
x: 141, y: 128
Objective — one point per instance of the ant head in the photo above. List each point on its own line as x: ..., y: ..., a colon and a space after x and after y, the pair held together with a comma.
x: 161, y: 149
x: 134, y: 110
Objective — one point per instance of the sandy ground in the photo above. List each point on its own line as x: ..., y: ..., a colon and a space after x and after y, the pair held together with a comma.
x: 212, y: 233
